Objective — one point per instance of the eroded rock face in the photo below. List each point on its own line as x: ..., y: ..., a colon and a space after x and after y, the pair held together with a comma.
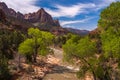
x: 3, y: 6
x: 10, y: 11
x: 57, y: 22
x: 2, y: 15
x: 41, y: 16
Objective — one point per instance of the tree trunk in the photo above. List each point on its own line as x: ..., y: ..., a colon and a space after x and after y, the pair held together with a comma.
x: 35, y: 51
x: 19, y: 61
x: 94, y: 76
x: 34, y: 57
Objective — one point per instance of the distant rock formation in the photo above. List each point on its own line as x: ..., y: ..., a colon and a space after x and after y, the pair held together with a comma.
x: 77, y: 31
x: 41, y: 17
x: 94, y: 33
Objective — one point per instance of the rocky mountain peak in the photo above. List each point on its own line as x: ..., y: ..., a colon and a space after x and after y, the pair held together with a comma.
x: 3, y: 5
x: 42, y: 10
x: 40, y: 19
x: 41, y: 16
x: 10, y: 11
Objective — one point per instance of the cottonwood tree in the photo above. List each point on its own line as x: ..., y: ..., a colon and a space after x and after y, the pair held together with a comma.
x: 83, y: 50
x: 110, y: 52
x: 110, y: 16
x: 37, y: 43
x: 109, y: 24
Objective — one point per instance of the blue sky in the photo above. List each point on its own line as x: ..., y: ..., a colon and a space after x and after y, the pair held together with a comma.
x: 78, y: 14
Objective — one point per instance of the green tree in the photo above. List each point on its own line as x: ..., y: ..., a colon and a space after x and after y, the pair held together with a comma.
x: 9, y: 41
x: 111, y: 43
x: 83, y: 50
x: 4, y: 71
x: 36, y: 43
x: 110, y: 51
x: 110, y: 16
x: 109, y: 24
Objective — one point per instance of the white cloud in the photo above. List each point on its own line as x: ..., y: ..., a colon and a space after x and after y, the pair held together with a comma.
x: 73, y: 27
x: 70, y: 11
x: 104, y: 3
x: 72, y: 22
x: 74, y: 10
x: 64, y: 23
x: 24, y: 6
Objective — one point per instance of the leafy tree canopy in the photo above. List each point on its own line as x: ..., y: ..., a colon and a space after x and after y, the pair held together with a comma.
x: 36, y: 43
x: 110, y: 16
